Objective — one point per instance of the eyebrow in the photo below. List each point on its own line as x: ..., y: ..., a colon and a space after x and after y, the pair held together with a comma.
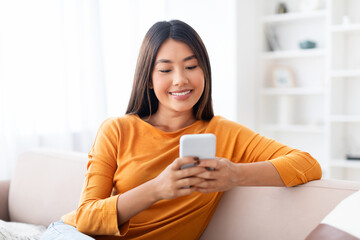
x: 169, y: 61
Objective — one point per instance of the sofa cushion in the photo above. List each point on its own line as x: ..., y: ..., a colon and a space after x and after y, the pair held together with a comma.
x: 51, y: 183
x: 20, y: 231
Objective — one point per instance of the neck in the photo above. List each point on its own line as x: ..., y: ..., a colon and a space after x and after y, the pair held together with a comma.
x: 171, y: 122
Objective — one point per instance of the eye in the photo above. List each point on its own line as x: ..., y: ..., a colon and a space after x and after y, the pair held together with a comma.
x: 191, y: 67
x: 165, y: 71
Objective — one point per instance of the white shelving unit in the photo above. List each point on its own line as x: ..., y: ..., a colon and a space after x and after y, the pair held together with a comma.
x: 345, y: 118
x: 294, y: 16
x: 344, y: 83
x: 294, y: 128
x: 319, y: 111
x: 293, y: 91
x: 345, y: 164
x: 286, y: 54
x: 345, y: 28
x: 345, y: 73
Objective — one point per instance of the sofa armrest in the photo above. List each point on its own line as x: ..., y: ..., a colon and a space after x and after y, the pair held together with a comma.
x: 4, y: 200
x: 274, y: 213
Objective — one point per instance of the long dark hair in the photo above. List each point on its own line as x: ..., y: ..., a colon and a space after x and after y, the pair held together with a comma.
x: 143, y: 100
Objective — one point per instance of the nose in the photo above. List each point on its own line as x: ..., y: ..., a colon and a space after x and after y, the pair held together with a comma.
x: 180, y: 78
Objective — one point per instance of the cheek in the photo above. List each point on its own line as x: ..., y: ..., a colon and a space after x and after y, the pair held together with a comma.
x: 159, y: 84
x: 200, y: 80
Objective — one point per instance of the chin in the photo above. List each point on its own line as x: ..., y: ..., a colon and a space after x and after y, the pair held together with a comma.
x: 183, y: 110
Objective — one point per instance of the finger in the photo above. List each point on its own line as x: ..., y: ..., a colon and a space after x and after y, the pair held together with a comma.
x: 191, y: 181
x: 176, y: 165
x: 207, y: 184
x: 190, y: 172
x: 209, y: 175
x: 210, y: 163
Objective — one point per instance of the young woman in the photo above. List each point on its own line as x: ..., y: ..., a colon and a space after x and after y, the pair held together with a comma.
x: 137, y: 155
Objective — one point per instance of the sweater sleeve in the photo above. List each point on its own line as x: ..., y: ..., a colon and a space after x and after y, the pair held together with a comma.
x: 294, y: 166
x: 97, y: 211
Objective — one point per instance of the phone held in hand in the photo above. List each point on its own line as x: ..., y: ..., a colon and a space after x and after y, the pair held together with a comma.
x: 202, y: 146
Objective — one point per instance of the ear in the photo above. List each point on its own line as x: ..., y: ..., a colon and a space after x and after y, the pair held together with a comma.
x: 150, y: 85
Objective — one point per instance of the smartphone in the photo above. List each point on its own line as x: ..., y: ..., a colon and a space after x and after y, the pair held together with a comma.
x: 202, y: 146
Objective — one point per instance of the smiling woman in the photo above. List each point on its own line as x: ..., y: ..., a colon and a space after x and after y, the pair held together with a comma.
x: 138, y: 154
x: 181, y: 56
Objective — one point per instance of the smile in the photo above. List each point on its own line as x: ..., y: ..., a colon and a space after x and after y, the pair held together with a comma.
x: 180, y: 93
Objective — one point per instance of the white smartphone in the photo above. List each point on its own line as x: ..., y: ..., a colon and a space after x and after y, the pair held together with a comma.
x: 202, y: 146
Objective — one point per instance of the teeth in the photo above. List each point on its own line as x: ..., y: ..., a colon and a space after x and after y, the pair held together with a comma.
x: 180, y: 94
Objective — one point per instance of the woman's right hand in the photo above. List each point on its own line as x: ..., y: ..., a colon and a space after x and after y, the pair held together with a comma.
x: 174, y: 182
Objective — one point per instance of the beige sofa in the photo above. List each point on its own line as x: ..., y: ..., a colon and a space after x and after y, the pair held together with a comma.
x: 47, y: 184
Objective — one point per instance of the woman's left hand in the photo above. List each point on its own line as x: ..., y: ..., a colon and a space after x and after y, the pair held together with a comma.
x: 222, y: 178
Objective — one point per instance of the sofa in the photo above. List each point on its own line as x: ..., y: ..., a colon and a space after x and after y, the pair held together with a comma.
x: 46, y: 184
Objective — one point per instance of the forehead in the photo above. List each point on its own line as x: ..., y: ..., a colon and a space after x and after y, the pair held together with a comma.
x: 174, y: 50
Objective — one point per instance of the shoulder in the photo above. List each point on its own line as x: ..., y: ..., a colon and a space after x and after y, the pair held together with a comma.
x: 114, y: 124
x: 225, y: 127
x: 219, y: 121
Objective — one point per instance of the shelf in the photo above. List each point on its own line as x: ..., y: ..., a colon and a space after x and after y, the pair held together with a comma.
x: 296, y: 128
x: 292, y: 91
x: 293, y: 16
x: 345, y: 118
x: 323, y: 103
x: 345, y: 73
x: 345, y: 163
x: 300, y: 53
x: 345, y: 28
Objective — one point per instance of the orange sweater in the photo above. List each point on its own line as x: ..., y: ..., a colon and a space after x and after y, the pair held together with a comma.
x: 128, y: 152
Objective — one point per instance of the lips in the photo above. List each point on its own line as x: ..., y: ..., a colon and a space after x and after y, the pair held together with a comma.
x: 180, y: 93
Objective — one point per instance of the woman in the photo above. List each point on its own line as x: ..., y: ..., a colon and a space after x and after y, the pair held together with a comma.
x: 137, y: 154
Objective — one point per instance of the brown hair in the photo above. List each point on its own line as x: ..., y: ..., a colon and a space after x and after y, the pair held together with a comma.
x: 143, y: 100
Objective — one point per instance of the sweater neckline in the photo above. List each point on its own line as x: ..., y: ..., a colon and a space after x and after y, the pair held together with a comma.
x: 137, y: 117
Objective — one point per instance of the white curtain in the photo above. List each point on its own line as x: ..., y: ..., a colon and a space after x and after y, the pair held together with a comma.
x: 52, y: 87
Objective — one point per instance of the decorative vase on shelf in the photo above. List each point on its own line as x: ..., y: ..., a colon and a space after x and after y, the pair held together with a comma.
x: 307, y: 44
x: 281, y: 8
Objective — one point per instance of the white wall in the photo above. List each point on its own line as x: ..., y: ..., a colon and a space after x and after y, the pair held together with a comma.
x: 247, y: 62
x: 123, y: 27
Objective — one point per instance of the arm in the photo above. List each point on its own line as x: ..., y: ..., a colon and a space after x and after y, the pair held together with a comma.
x: 294, y: 166
x: 97, y: 208
x: 168, y: 185
x: 259, y: 161
x: 248, y: 174
x: 228, y: 175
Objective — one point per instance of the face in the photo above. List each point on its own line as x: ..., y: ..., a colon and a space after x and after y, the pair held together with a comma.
x: 177, y: 79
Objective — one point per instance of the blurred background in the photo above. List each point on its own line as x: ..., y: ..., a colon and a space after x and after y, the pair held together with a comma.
x: 287, y: 69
